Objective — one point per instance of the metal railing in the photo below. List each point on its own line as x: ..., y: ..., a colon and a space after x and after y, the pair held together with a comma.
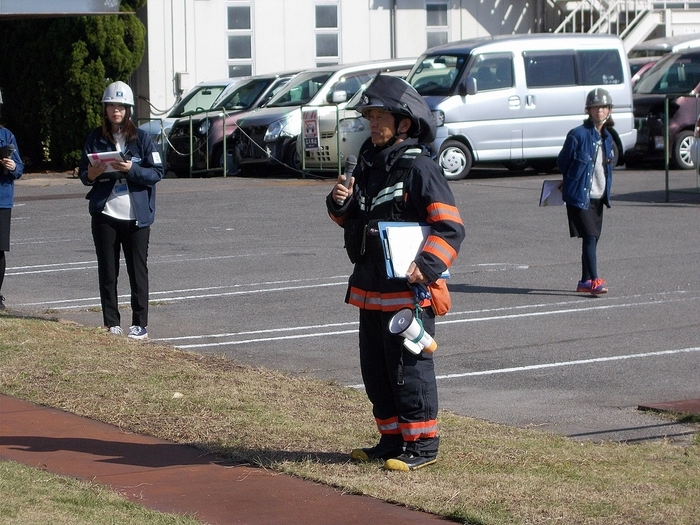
x: 617, y: 17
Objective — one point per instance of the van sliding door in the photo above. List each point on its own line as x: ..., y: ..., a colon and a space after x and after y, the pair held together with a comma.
x: 553, y: 103
x: 492, y: 117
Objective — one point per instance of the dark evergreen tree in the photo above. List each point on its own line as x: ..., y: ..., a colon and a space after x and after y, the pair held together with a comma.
x: 53, y: 72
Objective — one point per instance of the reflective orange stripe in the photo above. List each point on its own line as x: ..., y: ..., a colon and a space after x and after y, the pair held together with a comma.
x: 438, y: 211
x: 421, y: 429
x: 388, y: 426
x: 440, y: 249
x: 386, y: 302
x: 338, y: 220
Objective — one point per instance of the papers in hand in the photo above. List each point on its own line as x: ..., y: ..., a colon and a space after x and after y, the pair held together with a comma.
x: 401, y: 242
x: 551, y: 193
x: 107, y: 157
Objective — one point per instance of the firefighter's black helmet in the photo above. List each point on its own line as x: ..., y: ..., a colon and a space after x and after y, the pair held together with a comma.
x: 400, y: 98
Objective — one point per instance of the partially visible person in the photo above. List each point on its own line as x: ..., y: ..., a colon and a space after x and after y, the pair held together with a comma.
x: 586, y: 162
x: 122, y: 205
x: 395, y: 180
x: 11, y: 168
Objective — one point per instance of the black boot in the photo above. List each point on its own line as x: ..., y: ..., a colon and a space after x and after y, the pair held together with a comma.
x: 409, y: 461
x: 388, y: 447
x: 417, y: 454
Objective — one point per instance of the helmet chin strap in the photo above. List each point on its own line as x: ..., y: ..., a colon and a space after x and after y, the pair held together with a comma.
x: 600, y: 123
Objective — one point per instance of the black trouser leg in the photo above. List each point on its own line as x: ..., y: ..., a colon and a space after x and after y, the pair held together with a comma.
x: 589, y: 259
x: 106, y: 237
x: 135, y: 243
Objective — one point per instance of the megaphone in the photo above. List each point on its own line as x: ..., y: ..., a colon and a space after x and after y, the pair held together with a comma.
x: 416, y: 339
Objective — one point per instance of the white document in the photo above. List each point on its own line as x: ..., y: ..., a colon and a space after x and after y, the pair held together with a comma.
x: 402, y: 241
x: 106, y: 157
x: 551, y: 193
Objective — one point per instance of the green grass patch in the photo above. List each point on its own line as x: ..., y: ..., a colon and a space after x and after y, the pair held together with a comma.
x: 487, y: 474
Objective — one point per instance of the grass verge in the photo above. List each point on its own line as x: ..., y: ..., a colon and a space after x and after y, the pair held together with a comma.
x: 486, y: 474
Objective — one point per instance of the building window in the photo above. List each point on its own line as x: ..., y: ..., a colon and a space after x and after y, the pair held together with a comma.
x: 240, y: 38
x: 436, y: 24
x: 327, y: 35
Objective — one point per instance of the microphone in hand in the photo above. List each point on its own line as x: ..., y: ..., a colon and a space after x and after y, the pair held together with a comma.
x: 350, y: 164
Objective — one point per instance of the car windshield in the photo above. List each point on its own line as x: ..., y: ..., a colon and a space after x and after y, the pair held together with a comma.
x: 436, y: 74
x: 199, y: 99
x: 243, y: 95
x: 672, y: 74
x: 300, y: 90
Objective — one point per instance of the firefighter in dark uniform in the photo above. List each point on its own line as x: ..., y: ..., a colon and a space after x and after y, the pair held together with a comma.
x: 395, y: 180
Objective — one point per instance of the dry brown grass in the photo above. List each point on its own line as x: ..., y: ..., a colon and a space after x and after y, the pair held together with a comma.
x: 487, y: 473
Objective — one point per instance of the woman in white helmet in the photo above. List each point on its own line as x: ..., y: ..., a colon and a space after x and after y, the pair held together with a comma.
x: 586, y: 161
x: 122, y: 205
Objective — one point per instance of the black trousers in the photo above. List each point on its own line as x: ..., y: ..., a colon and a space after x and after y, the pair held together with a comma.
x: 400, y: 385
x: 110, y: 236
x: 5, y: 216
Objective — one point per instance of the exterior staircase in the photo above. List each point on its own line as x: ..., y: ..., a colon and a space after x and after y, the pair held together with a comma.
x: 632, y: 20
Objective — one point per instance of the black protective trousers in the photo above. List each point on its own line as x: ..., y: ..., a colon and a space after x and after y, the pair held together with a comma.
x: 110, y: 236
x: 399, y: 384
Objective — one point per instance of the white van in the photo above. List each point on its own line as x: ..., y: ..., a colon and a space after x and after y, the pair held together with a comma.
x: 513, y: 98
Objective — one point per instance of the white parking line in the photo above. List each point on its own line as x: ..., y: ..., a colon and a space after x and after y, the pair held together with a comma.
x: 505, y: 316
x: 562, y: 364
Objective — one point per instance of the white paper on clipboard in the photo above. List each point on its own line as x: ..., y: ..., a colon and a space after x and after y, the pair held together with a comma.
x: 401, y: 242
x: 551, y: 193
x: 106, y: 157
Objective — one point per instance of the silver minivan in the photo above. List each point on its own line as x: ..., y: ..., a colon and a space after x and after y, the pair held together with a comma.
x: 513, y: 98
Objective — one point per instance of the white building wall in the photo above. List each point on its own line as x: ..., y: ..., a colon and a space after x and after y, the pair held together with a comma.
x: 190, y: 36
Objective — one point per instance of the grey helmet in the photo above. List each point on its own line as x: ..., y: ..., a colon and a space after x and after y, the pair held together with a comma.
x: 398, y: 97
x: 598, y: 97
x: 118, y: 93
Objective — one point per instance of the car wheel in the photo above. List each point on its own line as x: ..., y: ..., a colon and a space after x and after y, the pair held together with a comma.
x: 292, y: 159
x: 516, y: 165
x: 182, y: 174
x: 616, y: 154
x: 455, y: 159
x: 543, y: 165
x: 682, y: 158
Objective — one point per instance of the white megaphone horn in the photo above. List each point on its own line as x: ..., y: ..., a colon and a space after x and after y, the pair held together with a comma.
x: 416, y: 339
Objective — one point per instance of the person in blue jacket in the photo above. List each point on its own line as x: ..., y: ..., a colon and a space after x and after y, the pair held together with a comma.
x: 11, y: 168
x: 122, y: 205
x: 586, y: 162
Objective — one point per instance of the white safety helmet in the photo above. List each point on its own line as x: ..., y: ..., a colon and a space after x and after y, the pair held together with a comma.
x: 118, y: 93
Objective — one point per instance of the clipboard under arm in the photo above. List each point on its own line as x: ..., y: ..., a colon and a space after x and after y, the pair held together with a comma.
x: 401, y: 242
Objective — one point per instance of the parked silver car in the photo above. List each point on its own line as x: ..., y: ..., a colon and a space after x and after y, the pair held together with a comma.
x: 268, y: 136
x: 197, y: 140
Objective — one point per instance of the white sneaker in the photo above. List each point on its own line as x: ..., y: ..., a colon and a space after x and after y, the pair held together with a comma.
x: 116, y: 330
x: 138, y: 332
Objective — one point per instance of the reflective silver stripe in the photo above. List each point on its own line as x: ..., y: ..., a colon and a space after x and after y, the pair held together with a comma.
x: 388, y: 427
x: 388, y: 194
x: 416, y: 431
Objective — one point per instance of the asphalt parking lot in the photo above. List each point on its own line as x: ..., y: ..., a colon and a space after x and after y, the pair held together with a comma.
x: 253, y: 269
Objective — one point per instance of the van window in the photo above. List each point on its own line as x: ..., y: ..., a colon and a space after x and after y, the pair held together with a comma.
x: 493, y: 72
x: 599, y: 66
x: 544, y: 69
x: 437, y: 74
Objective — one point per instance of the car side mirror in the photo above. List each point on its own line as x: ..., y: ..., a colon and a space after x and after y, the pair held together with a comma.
x: 467, y: 87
